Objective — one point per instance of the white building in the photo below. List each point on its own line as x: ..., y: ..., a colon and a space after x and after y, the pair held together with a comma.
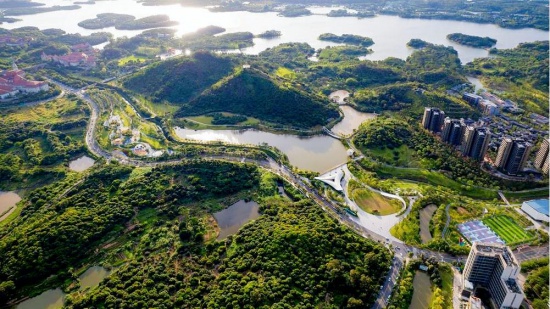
x: 536, y: 209
x: 494, y: 267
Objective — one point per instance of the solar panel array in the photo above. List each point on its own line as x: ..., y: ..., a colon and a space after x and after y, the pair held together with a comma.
x: 476, y: 231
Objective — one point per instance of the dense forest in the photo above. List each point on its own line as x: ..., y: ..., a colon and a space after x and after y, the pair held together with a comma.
x: 293, y: 256
x: 472, y: 40
x: 252, y: 93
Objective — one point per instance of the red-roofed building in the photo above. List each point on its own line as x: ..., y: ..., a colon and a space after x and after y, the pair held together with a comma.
x: 74, y: 59
x: 13, y: 81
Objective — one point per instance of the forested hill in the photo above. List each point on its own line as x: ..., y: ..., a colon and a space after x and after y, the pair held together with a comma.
x: 252, y: 93
x: 180, y: 79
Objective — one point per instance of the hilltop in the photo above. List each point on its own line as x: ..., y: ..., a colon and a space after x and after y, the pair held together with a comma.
x: 178, y: 80
x: 252, y: 93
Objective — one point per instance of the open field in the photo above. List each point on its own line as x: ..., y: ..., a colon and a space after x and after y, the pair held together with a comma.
x: 401, y: 156
x: 375, y: 203
x: 436, y: 179
x: 507, y: 229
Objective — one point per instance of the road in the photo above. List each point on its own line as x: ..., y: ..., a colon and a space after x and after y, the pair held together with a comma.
x: 400, y: 249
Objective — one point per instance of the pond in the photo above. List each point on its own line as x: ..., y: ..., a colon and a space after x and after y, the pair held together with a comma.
x: 8, y: 199
x: 81, y: 164
x: 422, y: 291
x: 93, y: 276
x: 426, y: 214
x: 51, y: 299
x: 233, y: 217
x: 390, y: 33
x: 476, y: 82
x: 339, y: 96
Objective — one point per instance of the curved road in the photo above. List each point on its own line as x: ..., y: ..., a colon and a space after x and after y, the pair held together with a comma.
x: 400, y: 249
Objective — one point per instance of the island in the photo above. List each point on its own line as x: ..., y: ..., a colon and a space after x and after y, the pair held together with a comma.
x: 154, y: 21
x: 472, y: 40
x: 418, y: 43
x: 106, y: 20
x: 269, y: 34
x: 350, y: 39
x: 294, y: 11
x: 37, y: 10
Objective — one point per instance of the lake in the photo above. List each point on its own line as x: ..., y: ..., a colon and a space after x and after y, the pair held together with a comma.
x: 81, y: 164
x: 233, y: 217
x: 51, y: 299
x: 7, y: 203
x: 390, y: 33
x: 318, y: 153
x: 92, y: 276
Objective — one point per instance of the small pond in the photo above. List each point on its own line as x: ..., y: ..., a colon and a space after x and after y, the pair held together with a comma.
x: 51, y: 299
x: 232, y: 218
x: 425, y: 217
x: 422, y: 291
x: 7, y: 203
x: 93, y: 276
x: 81, y: 164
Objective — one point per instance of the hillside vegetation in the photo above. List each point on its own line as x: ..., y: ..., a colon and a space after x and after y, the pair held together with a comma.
x: 252, y: 93
x: 178, y: 80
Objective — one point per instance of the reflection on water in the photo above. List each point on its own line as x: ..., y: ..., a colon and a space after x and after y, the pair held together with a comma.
x: 92, y: 276
x: 351, y: 121
x: 81, y: 164
x: 316, y: 153
x: 389, y: 41
x: 232, y: 218
x: 51, y: 299
x: 7, y: 203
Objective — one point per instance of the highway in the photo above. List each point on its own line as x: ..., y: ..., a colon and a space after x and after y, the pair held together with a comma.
x: 399, y: 249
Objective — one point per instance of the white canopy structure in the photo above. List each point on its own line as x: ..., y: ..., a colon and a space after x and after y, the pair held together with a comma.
x: 333, y: 179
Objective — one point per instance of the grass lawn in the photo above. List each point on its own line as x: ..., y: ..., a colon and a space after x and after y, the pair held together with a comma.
x: 447, y: 278
x: 286, y: 73
x: 401, y: 156
x: 518, y: 197
x: 436, y: 179
x: 375, y: 203
x: 507, y: 229
x: 127, y: 59
x: 207, y: 120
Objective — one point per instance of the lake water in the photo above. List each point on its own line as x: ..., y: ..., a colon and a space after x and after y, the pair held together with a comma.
x: 476, y: 82
x: 318, y: 153
x: 232, y: 218
x: 390, y: 33
x: 422, y: 291
x: 51, y: 299
x: 92, y: 276
x: 351, y: 121
x: 7, y: 203
x: 81, y: 164
x: 315, y: 153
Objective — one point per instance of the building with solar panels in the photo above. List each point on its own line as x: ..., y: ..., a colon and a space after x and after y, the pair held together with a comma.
x: 536, y: 209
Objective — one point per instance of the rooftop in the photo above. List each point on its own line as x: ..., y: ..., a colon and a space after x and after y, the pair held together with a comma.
x: 539, y: 205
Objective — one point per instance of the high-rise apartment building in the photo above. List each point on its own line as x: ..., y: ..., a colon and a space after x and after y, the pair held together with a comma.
x: 475, y: 142
x: 433, y: 119
x: 494, y: 267
x: 512, y: 155
x: 541, y: 160
x: 452, y: 131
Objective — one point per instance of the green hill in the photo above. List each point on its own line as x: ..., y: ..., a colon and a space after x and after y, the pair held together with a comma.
x: 252, y: 93
x: 180, y: 79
